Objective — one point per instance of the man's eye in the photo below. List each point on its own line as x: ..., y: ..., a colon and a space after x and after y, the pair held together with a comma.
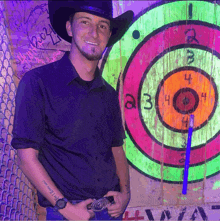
x: 103, y: 26
x: 84, y: 22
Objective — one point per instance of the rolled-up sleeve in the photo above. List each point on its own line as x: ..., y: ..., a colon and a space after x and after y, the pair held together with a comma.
x: 119, y: 134
x: 29, y: 120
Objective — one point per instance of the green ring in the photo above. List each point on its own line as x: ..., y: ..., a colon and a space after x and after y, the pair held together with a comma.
x: 113, y: 68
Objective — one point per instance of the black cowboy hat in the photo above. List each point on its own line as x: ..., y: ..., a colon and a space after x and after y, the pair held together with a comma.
x: 59, y: 12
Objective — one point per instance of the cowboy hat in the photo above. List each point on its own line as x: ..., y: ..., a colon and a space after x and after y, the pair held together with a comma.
x: 59, y: 12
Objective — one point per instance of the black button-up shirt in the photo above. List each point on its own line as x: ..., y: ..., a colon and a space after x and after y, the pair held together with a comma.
x: 74, y: 125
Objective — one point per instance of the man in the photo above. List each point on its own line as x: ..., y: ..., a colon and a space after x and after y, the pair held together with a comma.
x: 67, y: 126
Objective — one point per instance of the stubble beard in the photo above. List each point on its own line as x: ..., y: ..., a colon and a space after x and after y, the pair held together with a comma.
x: 90, y: 57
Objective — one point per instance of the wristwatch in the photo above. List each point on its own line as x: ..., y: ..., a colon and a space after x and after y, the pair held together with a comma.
x: 60, y: 204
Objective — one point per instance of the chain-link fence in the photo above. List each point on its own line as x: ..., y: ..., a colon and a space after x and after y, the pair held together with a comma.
x: 17, y: 195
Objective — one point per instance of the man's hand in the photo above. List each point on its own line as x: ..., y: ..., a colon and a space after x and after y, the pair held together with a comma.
x: 121, y: 201
x: 78, y: 211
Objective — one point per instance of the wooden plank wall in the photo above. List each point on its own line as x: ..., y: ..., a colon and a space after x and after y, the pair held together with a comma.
x: 169, y: 47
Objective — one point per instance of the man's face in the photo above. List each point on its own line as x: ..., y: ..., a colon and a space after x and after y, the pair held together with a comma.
x: 90, y: 34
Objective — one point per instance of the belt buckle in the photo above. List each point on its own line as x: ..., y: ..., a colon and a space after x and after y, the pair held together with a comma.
x: 102, y: 203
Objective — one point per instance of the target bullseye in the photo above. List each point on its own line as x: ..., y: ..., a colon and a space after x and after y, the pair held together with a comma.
x: 185, y: 101
x: 182, y: 92
x: 155, y: 113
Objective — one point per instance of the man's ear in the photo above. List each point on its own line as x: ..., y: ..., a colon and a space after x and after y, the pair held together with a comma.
x: 69, y: 28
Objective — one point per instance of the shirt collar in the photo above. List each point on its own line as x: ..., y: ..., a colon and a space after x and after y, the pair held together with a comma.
x: 71, y: 73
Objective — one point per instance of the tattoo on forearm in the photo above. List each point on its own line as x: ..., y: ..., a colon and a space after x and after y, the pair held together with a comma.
x: 51, y: 191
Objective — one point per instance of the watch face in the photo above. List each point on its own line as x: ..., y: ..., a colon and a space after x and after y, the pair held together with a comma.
x: 61, y: 203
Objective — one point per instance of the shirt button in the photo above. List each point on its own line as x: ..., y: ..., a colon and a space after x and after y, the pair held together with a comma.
x: 98, y: 180
x: 96, y: 158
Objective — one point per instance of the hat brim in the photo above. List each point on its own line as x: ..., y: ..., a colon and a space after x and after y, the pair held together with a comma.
x: 58, y: 19
x: 120, y: 25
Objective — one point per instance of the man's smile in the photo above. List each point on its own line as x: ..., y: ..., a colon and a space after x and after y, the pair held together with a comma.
x: 91, y: 43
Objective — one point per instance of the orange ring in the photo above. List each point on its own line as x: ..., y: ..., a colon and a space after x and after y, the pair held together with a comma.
x: 186, y: 79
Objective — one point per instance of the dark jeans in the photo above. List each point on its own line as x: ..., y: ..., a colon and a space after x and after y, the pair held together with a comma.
x: 102, y: 215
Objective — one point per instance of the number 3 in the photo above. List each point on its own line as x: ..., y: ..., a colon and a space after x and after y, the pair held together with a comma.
x: 148, y: 101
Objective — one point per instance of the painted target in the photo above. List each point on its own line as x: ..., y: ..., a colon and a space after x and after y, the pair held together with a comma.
x: 170, y: 70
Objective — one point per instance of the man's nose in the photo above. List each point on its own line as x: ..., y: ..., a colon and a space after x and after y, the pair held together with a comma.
x: 94, y: 31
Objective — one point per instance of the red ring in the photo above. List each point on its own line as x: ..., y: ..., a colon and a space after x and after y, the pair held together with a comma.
x: 180, y: 101
x: 175, y: 36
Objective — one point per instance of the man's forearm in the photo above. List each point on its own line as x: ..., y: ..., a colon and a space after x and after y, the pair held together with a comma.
x: 39, y: 177
x: 122, y: 169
